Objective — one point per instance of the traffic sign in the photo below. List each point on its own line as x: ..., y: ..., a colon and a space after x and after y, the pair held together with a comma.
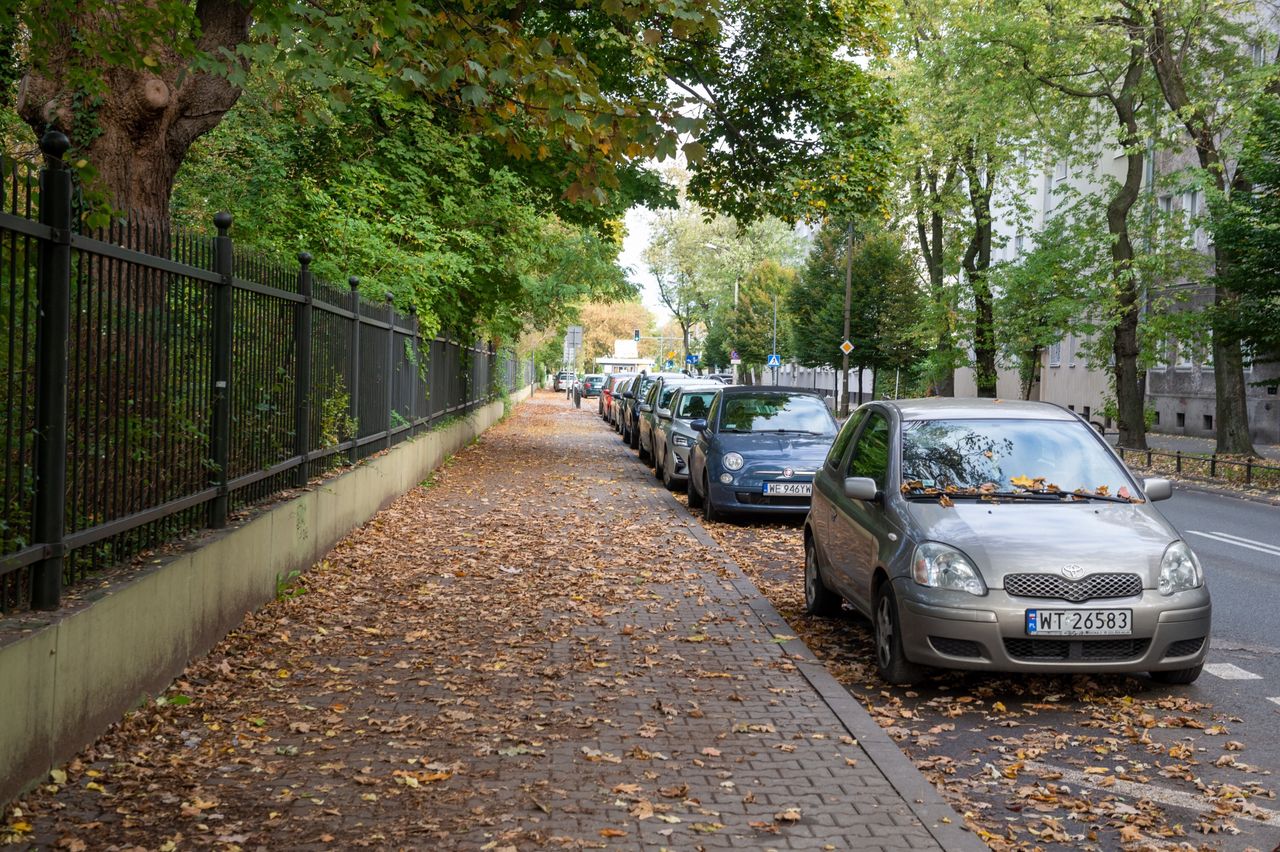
x: 846, y: 347
x: 735, y: 361
x: 774, y: 360
x: 670, y: 364
x: 691, y: 358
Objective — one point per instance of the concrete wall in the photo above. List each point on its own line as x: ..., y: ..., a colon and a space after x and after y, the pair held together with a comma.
x: 68, y: 675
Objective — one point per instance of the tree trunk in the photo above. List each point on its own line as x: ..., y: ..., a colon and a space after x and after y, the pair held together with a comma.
x: 1231, y: 405
x: 929, y: 229
x: 1129, y: 380
x: 977, y: 261
x: 147, y: 118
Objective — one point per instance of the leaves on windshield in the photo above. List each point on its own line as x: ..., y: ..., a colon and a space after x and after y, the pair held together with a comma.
x: 989, y: 492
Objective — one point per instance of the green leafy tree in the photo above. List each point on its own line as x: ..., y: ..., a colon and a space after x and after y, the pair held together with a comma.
x: 752, y: 322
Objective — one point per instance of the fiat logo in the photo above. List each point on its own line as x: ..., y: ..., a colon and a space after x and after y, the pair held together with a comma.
x: 1072, y: 572
x: 787, y: 472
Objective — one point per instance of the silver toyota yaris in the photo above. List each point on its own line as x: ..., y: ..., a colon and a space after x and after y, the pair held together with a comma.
x: 989, y: 534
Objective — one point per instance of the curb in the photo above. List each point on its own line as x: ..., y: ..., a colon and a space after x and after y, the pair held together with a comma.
x: 925, y: 802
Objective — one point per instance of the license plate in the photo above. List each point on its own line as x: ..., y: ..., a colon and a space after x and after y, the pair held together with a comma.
x: 789, y: 489
x: 1079, y: 622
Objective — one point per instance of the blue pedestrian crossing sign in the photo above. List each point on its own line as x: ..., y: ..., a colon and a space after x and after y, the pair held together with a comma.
x: 774, y: 360
x: 670, y: 364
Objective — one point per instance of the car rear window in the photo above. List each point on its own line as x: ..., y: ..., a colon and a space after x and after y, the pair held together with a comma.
x: 776, y: 412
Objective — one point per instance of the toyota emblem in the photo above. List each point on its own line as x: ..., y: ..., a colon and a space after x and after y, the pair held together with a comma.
x: 1072, y: 572
x: 788, y: 472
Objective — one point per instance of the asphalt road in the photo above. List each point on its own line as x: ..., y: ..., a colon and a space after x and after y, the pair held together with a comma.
x: 1238, y: 542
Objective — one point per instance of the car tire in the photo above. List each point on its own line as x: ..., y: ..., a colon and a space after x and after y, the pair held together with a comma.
x: 710, y: 511
x: 891, y: 661
x: 633, y: 440
x: 657, y: 462
x: 1178, y: 676
x: 644, y: 454
x: 818, y: 599
x: 695, y: 499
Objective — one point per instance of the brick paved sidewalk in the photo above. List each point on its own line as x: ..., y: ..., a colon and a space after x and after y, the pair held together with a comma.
x: 540, y: 650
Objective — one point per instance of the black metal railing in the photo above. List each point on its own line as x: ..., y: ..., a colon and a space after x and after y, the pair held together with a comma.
x: 1249, y: 472
x: 154, y: 381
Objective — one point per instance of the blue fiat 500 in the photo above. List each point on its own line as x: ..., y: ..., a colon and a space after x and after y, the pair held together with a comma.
x: 757, y: 451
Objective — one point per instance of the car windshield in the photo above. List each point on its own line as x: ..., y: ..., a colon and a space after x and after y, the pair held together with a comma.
x: 693, y: 406
x: 1003, y: 455
x: 776, y: 412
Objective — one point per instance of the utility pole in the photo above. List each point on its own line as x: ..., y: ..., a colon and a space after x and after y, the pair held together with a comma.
x: 774, y: 350
x: 848, y: 300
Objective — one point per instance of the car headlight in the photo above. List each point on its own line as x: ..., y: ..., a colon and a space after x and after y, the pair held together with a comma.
x: 943, y: 567
x: 732, y: 461
x: 1179, y: 569
x: 682, y: 440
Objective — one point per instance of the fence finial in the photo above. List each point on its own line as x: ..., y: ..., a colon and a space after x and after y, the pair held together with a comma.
x: 222, y: 220
x: 390, y: 298
x: 354, y: 281
x: 54, y: 143
x: 304, y: 258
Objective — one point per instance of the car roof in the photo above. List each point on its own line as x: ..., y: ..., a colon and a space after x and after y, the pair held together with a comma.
x: 973, y: 408
x: 699, y: 385
x: 747, y: 390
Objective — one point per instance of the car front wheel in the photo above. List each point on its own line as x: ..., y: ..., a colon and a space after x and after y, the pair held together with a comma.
x: 710, y: 511
x: 818, y: 599
x: 890, y: 658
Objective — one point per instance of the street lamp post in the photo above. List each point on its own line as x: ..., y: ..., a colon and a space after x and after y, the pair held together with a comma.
x: 774, y: 350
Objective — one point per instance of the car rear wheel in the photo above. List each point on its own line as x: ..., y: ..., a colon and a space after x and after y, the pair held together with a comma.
x: 890, y: 659
x: 695, y: 499
x: 1178, y: 676
x: 818, y: 599
x: 633, y: 439
x: 668, y: 478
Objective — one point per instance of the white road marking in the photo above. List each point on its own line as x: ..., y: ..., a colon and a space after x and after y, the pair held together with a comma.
x: 1274, y: 700
x: 1229, y: 671
x: 1227, y: 538
x: 1154, y: 792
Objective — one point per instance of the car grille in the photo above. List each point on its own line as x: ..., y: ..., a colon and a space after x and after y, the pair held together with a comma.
x: 1073, y: 650
x: 755, y: 498
x: 955, y: 647
x: 1185, y: 647
x: 1089, y: 588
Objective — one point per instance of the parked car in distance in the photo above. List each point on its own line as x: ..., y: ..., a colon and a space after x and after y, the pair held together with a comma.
x: 632, y: 397
x: 619, y: 402
x: 673, y: 435
x: 989, y: 534
x: 757, y: 451
x: 591, y: 384
x: 563, y: 381
x: 656, y: 404
x: 611, y: 383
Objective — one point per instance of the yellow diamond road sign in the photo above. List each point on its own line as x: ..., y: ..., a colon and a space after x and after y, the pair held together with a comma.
x: 846, y: 347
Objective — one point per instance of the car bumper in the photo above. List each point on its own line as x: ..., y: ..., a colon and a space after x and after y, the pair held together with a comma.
x: 680, y: 462
x: 749, y: 497
x: 1168, y: 633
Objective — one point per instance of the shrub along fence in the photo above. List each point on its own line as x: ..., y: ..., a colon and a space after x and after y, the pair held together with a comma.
x: 156, y: 380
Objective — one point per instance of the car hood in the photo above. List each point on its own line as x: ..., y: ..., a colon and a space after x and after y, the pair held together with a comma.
x: 806, y: 450
x: 1015, y: 538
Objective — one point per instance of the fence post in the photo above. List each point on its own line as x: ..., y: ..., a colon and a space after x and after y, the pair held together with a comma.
x: 52, y: 334
x: 1178, y: 460
x: 354, y: 283
x: 302, y: 320
x: 1213, y: 465
x: 416, y: 366
x: 391, y: 354
x: 220, y: 421
x: 1248, y: 471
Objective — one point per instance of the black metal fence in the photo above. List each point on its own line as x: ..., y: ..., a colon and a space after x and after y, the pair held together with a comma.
x: 1249, y: 472
x: 155, y: 380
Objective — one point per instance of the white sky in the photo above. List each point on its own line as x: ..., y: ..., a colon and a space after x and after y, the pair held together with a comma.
x: 631, y: 259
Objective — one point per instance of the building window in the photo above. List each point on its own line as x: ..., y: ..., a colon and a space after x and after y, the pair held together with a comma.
x: 1182, y: 356
x: 1060, y: 171
x: 1157, y: 419
x: 1017, y: 246
x: 1208, y: 422
x: 1055, y: 354
x: 1071, y: 408
x: 1182, y: 420
x: 1086, y: 412
x: 1166, y: 204
x: 1259, y: 52
x: 1271, y: 390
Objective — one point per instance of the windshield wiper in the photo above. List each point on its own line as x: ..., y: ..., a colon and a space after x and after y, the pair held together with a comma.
x: 787, y: 432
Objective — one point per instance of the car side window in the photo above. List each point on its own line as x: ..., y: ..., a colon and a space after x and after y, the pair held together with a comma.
x: 842, y: 440
x: 871, y: 453
x: 713, y: 411
x: 653, y: 393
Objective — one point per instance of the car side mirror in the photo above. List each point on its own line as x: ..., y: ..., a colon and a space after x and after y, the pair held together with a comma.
x: 861, y: 488
x: 645, y: 407
x: 699, y: 425
x: 1157, y: 489
x: 628, y: 395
